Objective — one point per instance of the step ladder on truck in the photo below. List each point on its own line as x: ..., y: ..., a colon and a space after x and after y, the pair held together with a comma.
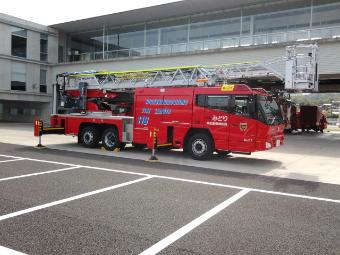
x: 201, y: 109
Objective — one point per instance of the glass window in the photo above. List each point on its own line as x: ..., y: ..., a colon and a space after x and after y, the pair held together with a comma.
x: 91, y: 41
x: 152, y: 37
x: 218, y: 102
x: 282, y: 21
x: 241, y: 106
x: 200, y: 100
x: 326, y: 15
x: 43, y: 47
x: 271, y: 113
x: 112, y: 42
x: 215, y: 16
x: 43, y: 81
x: 215, y: 29
x: 13, y: 111
x: 18, y: 81
x: 19, y: 32
x: 246, y: 23
x: 167, y: 23
x: 131, y: 40
x: 19, y: 42
x: 174, y: 35
x: 61, y: 54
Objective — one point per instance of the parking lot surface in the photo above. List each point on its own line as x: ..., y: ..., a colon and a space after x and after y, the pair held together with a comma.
x: 311, y: 157
x: 61, y: 202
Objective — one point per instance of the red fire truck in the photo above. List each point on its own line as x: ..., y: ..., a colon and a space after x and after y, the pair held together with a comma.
x: 188, y: 109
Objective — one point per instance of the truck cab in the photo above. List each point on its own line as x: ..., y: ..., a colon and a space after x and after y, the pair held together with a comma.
x: 202, y: 120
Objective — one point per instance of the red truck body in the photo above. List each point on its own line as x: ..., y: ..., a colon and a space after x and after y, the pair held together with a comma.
x: 311, y: 117
x: 201, y: 120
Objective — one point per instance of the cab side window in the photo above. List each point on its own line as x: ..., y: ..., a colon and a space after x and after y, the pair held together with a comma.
x: 241, y: 106
x: 216, y: 102
x: 200, y: 100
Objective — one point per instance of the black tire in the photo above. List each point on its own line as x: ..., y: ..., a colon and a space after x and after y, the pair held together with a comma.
x: 200, y: 146
x: 90, y: 137
x: 110, y: 139
x: 288, y: 131
x: 122, y: 146
x: 223, y: 153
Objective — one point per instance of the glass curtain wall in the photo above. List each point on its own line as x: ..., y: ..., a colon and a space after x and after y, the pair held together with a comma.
x: 222, y: 29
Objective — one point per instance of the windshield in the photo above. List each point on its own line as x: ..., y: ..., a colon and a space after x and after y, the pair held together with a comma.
x: 270, y: 111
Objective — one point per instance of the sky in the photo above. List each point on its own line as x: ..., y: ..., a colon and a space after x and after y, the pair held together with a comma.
x: 59, y: 11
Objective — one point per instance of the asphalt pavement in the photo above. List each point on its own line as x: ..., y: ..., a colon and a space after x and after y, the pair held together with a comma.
x: 62, y: 202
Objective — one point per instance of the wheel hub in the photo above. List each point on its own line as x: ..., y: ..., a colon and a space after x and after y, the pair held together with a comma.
x: 88, y: 137
x: 110, y: 140
x: 199, y: 146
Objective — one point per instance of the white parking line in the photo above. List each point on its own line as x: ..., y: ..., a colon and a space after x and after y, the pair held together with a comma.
x: 68, y: 164
x: 39, y: 173
x: 162, y: 244
x: 186, y: 180
x: 251, y: 189
x: 69, y: 199
x: 6, y: 251
x: 11, y: 160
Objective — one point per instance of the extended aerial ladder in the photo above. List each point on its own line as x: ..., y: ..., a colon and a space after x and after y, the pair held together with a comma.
x: 300, y: 73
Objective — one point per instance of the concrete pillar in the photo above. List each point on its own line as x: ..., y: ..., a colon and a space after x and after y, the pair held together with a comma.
x: 33, y: 45
x: 5, y: 74
x: 6, y: 39
x: 52, y: 45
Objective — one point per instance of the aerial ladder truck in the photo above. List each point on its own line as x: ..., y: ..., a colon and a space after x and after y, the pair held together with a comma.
x: 200, y: 109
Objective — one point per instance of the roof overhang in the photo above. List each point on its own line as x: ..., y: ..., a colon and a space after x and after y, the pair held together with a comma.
x: 164, y: 11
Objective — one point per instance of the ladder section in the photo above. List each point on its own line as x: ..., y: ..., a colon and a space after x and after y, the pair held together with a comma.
x: 302, y: 68
x: 300, y: 74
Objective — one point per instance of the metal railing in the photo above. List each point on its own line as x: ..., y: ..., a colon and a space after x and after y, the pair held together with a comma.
x: 221, y: 43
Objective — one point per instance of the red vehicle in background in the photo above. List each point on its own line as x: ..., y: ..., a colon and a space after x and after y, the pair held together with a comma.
x: 312, y: 118
x: 201, y: 120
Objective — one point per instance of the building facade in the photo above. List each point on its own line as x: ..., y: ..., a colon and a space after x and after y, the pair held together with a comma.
x: 27, y: 52
x: 201, y: 32
x: 191, y: 32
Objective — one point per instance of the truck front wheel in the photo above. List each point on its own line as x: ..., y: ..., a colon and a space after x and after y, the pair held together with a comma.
x: 110, y: 139
x: 90, y: 137
x: 200, y: 146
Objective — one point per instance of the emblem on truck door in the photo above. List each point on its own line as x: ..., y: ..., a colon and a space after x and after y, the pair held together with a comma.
x: 243, y: 126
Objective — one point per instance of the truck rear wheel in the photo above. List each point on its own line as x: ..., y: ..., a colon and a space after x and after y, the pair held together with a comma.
x: 90, y: 137
x: 110, y: 139
x: 200, y: 146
